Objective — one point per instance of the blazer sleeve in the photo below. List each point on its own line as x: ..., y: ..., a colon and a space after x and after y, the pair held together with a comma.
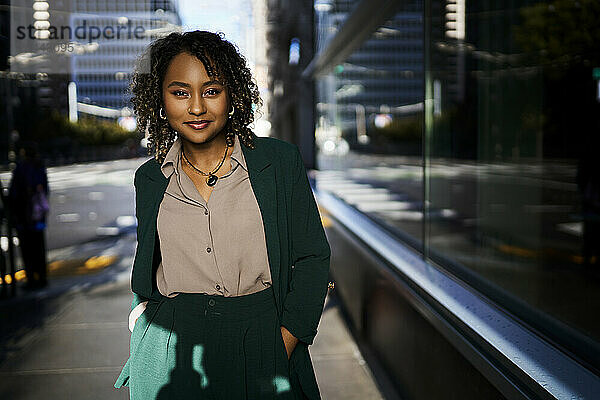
x: 137, y: 299
x: 310, y: 251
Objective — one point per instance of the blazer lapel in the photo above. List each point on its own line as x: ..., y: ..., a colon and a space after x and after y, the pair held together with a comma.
x: 262, y: 177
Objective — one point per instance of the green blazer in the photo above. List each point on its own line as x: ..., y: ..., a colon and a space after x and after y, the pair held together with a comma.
x: 298, y: 250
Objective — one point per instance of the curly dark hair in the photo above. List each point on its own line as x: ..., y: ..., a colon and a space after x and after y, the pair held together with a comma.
x: 222, y: 61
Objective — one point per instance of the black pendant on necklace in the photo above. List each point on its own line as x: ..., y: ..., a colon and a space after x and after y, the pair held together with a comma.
x: 211, y: 180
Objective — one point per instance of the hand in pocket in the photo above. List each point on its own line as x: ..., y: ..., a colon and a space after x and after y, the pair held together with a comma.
x: 289, y: 341
x: 135, y: 313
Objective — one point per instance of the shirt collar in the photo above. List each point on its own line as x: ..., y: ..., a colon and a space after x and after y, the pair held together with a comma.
x: 172, y: 158
x: 238, y: 155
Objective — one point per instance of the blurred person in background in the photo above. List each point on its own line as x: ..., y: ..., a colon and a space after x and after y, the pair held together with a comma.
x: 28, y: 196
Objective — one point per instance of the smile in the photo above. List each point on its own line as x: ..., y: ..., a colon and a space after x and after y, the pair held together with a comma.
x: 198, y: 125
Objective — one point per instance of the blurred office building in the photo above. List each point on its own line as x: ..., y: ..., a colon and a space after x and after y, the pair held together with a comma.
x: 69, y: 59
x: 35, y: 75
x: 101, y: 72
x: 380, y: 80
x: 92, y: 44
x: 290, y: 48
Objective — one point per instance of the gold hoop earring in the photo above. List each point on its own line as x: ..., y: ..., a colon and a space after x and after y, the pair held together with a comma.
x: 160, y: 114
x: 232, y: 111
x: 229, y: 139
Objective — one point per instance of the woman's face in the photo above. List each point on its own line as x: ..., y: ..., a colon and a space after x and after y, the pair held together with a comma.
x: 190, y: 96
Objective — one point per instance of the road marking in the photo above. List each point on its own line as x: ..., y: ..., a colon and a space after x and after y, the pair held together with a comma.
x: 88, y: 325
x: 60, y: 371
x: 73, y: 217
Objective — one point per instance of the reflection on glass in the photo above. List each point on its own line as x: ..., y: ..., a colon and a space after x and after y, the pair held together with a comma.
x: 369, y: 121
x: 509, y: 162
x: 512, y: 143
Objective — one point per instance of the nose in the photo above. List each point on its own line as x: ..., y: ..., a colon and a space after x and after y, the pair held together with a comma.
x: 197, y: 106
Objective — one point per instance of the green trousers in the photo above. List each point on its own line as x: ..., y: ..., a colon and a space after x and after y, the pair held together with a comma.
x: 198, y: 346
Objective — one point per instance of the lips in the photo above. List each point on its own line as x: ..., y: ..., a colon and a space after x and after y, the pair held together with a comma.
x: 198, y: 124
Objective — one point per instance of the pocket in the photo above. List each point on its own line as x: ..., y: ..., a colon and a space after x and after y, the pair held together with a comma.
x: 123, y: 379
x: 142, y: 324
x: 135, y: 314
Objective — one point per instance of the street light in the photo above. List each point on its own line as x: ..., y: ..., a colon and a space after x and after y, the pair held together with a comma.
x: 323, y: 5
x: 41, y: 17
x: 455, y: 19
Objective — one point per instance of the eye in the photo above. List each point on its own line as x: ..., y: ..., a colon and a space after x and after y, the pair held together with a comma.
x: 179, y: 93
x: 212, y: 92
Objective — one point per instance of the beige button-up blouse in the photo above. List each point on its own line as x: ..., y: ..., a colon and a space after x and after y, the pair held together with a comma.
x: 215, y: 247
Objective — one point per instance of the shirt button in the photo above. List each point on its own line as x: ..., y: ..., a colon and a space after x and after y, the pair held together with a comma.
x: 208, y: 249
x: 211, y: 302
x: 218, y: 287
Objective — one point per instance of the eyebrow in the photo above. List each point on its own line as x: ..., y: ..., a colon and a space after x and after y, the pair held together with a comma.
x: 207, y: 83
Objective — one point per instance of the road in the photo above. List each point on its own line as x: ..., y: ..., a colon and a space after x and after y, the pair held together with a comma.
x: 87, y: 200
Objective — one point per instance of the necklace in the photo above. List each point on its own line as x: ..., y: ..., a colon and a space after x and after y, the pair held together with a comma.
x: 212, y: 178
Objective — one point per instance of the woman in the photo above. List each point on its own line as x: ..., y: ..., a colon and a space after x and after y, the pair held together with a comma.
x: 230, y: 273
